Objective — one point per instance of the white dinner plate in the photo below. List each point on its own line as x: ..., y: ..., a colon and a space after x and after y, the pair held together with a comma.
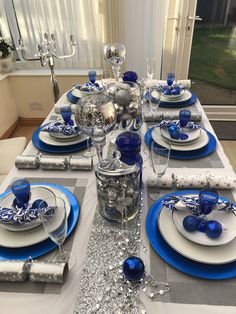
x: 30, y: 237
x: 173, y: 97
x: 204, y: 254
x: 47, y: 139
x: 227, y: 219
x: 185, y: 96
x: 193, y: 135
x: 198, y: 144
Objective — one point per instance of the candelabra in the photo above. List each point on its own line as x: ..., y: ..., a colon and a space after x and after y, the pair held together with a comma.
x: 47, y: 52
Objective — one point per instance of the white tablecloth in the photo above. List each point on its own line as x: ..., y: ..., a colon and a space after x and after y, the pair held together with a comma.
x: 27, y: 303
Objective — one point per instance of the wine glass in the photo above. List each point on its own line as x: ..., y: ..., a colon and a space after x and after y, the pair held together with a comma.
x: 184, y: 117
x: 154, y: 102
x: 66, y: 114
x: 54, y: 219
x: 208, y: 199
x: 95, y: 115
x: 115, y: 55
x: 151, y: 65
x: 170, y: 78
x: 160, y: 159
x: 21, y: 189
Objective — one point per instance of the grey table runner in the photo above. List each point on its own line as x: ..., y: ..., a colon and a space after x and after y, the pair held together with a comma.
x: 77, y: 187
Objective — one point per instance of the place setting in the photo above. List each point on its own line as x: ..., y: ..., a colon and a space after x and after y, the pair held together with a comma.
x: 186, y: 139
x: 36, y: 219
x: 173, y: 94
x: 194, y: 231
x: 61, y: 136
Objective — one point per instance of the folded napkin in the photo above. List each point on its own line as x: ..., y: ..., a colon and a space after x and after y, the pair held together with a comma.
x: 168, y: 123
x: 179, y: 202
x: 18, y: 215
x: 169, y: 115
x: 88, y: 87
x: 198, y: 181
x: 181, y: 83
x: 61, y: 129
x: 52, y: 272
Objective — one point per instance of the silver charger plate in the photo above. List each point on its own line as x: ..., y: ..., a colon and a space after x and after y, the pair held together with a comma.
x: 215, y: 255
x: 198, y: 144
x: 30, y: 237
x: 193, y: 135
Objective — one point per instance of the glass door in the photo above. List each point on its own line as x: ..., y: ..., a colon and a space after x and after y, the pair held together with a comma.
x: 212, y: 65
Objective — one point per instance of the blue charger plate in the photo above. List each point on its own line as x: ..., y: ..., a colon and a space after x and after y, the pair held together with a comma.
x: 47, y: 245
x: 175, y: 259
x: 178, y: 104
x: 193, y: 154
x: 56, y: 149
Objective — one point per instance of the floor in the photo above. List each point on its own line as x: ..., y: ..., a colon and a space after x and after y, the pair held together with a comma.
x: 229, y: 146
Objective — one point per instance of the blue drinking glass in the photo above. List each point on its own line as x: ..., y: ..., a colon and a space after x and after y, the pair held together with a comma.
x: 208, y: 199
x: 21, y: 189
x: 184, y: 117
x: 170, y: 78
x: 92, y: 76
x: 66, y: 114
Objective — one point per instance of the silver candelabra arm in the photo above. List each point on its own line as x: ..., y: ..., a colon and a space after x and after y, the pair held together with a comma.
x: 21, y: 48
x: 73, y: 43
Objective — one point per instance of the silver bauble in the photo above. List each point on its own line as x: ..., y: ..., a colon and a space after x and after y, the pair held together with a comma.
x: 122, y: 97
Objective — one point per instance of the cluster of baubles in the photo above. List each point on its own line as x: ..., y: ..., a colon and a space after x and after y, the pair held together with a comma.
x: 212, y: 228
x: 171, y: 90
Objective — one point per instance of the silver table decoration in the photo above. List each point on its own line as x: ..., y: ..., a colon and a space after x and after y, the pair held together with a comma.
x: 53, y: 163
x: 52, y: 272
x: 27, y: 162
x: 13, y: 270
x: 118, y: 189
x: 80, y: 163
x: 96, y: 116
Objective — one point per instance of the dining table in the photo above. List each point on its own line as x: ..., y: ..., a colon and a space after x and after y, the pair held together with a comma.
x: 89, y: 287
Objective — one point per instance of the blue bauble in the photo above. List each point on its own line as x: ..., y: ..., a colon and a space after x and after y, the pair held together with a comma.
x: 176, y: 90
x: 130, y: 76
x: 190, y: 223
x: 167, y: 92
x: 39, y: 204
x: 213, y: 229
x: 202, y: 223
x: 133, y: 268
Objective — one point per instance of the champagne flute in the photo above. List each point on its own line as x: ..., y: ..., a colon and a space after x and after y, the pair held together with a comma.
x: 160, y: 160
x: 54, y: 219
x: 151, y: 66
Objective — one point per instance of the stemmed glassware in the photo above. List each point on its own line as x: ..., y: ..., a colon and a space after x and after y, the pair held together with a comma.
x: 96, y: 116
x: 66, y: 114
x: 54, y: 219
x: 170, y: 78
x: 21, y: 189
x: 160, y: 160
x: 92, y: 77
x: 151, y: 65
x: 184, y: 117
x: 115, y: 55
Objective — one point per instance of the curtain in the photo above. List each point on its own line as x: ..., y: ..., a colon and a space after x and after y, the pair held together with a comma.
x: 62, y: 18
x: 139, y: 24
